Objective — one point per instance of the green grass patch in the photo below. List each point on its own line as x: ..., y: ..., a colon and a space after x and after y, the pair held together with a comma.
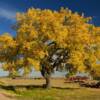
x: 60, y: 94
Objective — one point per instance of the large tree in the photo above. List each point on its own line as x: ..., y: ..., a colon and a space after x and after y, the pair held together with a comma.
x: 50, y: 40
x: 46, y: 32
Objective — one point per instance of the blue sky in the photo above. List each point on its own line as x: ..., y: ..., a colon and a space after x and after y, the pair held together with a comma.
x: 8, y: 9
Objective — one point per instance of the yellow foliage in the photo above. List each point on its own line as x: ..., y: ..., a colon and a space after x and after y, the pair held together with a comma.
x: 34, y: 63
x: 67, y: 29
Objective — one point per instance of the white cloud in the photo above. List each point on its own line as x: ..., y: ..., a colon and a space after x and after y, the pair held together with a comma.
x: 7, y: 14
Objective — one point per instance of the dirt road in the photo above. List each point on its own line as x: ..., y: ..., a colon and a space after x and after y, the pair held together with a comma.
x: 4, y: 97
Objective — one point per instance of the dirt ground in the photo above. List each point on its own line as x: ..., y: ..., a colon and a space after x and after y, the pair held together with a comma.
x: 5, y: 97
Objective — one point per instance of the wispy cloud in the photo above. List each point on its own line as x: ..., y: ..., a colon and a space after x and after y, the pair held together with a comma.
x: 7, y: 14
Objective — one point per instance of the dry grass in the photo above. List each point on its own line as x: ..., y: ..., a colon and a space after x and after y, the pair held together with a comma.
x: 60, y: 90
x: 38, y: 82
x: 60, y: 94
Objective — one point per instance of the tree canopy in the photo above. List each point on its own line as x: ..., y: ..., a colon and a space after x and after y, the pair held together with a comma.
x: 47, y: 39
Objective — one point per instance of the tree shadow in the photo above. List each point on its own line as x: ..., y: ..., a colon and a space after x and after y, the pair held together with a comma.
x: 28, y: 87
x: 64, y: 88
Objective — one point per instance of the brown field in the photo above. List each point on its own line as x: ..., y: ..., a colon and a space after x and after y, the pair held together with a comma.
x: 60, y: 91
x: 55, y: 82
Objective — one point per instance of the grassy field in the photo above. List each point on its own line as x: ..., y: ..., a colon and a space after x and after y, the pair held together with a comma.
x: 60, y: 94
x: 60, y: 90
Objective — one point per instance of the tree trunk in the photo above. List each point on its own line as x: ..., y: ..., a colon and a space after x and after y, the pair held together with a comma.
x: 48, y: 82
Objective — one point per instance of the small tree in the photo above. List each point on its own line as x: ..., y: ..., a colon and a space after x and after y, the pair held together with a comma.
x: 9, y: 54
